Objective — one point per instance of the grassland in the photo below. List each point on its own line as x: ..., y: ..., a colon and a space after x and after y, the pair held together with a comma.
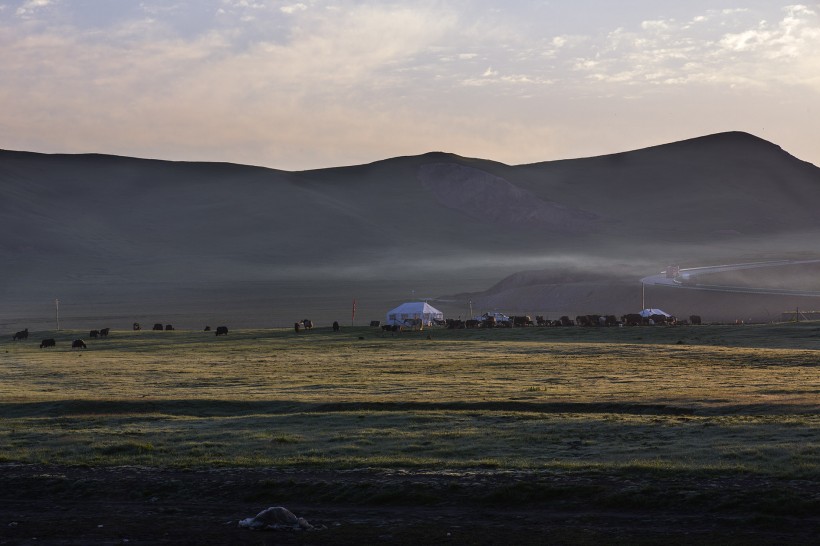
x: 685, y: 407
x: 518, y: 398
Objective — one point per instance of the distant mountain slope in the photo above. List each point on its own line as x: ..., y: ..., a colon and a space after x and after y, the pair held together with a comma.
x: 724, y: 182
x: 93, y: 224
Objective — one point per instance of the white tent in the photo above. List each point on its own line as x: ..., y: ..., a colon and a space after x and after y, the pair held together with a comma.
x: 646, y: 313
x: 407, y: 314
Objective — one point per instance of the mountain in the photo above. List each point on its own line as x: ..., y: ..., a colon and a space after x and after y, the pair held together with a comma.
x: 117, y: 238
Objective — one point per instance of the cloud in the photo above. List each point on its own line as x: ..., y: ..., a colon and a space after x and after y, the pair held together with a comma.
x: 197, y: 93
x: 293, y: 8
x: 252, y: 83
x: 31, y: 6
x: 656, y: 25
x: 665, y: 52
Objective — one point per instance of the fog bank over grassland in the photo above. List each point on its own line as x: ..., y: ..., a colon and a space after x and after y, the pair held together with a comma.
x: 205, y: 243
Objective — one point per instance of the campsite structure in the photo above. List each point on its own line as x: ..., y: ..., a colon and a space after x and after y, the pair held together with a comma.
x: 414, y: 314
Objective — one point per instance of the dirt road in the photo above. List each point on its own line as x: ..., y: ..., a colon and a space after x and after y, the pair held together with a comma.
x: 91, y: 506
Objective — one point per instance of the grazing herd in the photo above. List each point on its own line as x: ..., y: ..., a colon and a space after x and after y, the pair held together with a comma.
x: 103, y: 333
x: 305, y: 324
x: 634, y: 319
x: 487, y: 321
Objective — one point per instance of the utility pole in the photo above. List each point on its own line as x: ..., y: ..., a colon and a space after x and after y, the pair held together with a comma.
x: 643, y: 296
x: 57, y: 311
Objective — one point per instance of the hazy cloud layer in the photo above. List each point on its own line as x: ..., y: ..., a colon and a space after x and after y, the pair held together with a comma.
x: 319, y: 83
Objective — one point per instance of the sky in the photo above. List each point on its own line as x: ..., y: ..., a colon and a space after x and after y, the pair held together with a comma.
x: 319, y: 83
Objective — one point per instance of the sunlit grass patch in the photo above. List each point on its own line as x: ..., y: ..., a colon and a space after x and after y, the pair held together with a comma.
x: 531, y: 398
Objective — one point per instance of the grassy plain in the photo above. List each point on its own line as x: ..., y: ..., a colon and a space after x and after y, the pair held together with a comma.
x: 683, y: 435
x: 695, y: 399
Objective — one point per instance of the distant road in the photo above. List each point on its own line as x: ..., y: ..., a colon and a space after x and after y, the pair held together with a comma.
x: 687, y: 279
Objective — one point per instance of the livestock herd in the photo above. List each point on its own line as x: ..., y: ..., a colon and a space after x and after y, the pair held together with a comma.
x: 632, y: 319
x: 103, y: 332
x: 487, y: 321
x: 51, y: 342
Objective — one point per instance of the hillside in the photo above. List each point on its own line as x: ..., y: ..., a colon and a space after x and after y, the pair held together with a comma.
x: 124, y: 238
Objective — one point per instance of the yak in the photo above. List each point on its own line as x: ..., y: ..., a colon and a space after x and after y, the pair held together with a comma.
x: 336, y: 325
x: 168, y: 327
x: 22, y: 334
x: 78, y: 344
x: 157, y: 326
x: 48, y: 343
x: 104, y: 332
x: 94, y: 333
x: 632, y: 319
x: 523, y: 320
x: 222, y: 330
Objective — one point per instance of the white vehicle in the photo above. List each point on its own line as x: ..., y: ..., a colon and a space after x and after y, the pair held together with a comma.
x: 499, y: 317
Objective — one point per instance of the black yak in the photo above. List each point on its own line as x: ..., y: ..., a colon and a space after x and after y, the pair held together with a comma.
x: 93, y: 333
x: 222, y: 330
x: 632, y: 319
x: 104, y: 332
x: 48, y: 343
x: 157, y: 326
x: 523, y: 320
x: 22, y: 334
x: 78, y: 344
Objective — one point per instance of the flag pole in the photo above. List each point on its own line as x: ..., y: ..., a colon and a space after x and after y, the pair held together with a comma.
x: 353, y: 313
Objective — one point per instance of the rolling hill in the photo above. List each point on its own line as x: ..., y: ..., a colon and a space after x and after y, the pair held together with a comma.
x: 120, y: 239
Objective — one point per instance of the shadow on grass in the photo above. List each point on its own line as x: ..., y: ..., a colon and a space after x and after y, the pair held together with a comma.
x: 216, y: 408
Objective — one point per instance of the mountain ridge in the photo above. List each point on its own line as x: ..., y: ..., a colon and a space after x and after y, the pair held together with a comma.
x: 87, y: 224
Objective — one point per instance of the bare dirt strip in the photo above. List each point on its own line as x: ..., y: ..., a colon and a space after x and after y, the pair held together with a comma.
x: 48, y: 505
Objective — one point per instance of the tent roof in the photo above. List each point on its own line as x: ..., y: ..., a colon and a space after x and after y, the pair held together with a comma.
x: 414, y: 307
x: 650, y: 312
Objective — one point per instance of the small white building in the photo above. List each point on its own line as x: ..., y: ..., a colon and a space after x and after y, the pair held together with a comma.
x: 414, y: 314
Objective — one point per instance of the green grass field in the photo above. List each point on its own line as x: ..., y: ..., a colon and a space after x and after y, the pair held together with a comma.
x: 706, y: 399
